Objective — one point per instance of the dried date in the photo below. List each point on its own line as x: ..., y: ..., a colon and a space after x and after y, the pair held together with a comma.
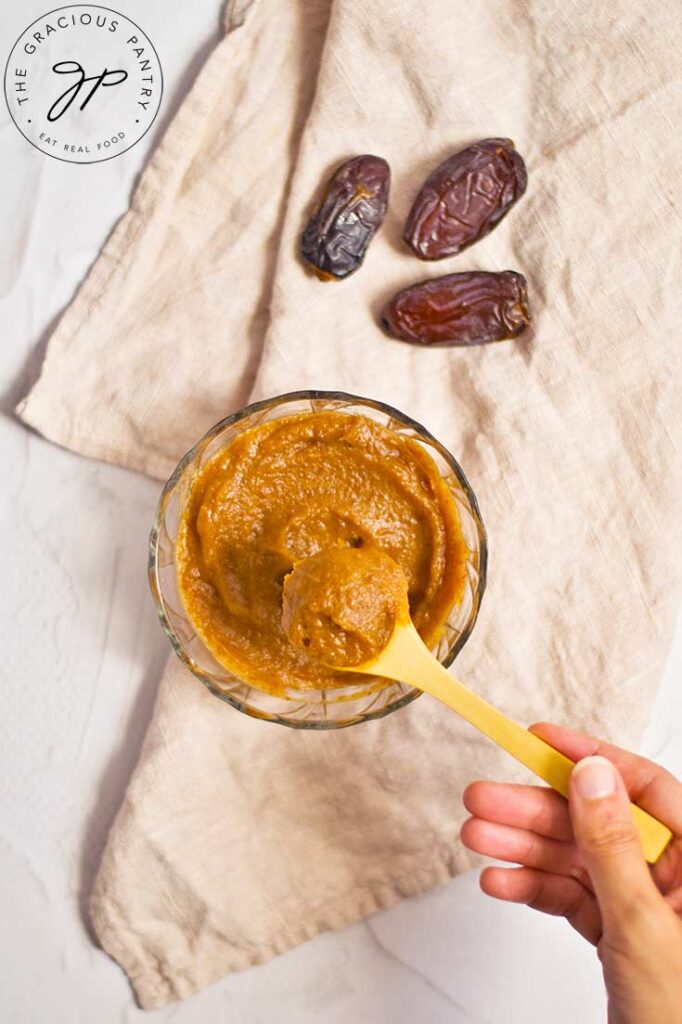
x: 352, y: 208
x: 464, y: 198
x: 460, y: 309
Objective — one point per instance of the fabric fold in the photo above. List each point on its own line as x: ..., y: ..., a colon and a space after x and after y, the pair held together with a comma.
x: 186, y: 276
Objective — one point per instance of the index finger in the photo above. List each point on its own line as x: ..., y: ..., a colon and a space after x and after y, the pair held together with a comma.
x: 652, y: 787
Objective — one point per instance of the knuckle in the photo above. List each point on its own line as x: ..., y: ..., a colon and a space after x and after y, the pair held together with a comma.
x: 574, y: 903
x: 578, y: 871
x: 611, y: 837
x: 539, y: 820
x: 529, y: 849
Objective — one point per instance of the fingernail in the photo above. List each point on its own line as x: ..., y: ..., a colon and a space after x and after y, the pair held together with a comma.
x: 594, y: 778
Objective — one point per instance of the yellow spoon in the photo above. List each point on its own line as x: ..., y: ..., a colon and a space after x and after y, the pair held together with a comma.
x: 319, y: 620
x: 407, y: 659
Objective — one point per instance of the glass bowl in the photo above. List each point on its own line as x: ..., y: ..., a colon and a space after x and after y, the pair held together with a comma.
x: 336, y: 707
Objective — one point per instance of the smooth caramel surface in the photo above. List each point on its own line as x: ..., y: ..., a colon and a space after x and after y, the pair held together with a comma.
x: 283, y: 491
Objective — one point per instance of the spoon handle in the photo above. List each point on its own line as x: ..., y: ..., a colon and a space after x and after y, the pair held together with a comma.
x: 407, y: 658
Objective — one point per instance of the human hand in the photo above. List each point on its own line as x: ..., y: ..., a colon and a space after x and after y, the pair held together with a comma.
x: 582, y: 860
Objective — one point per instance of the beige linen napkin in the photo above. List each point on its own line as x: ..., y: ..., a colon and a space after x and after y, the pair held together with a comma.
x: 237, y: 839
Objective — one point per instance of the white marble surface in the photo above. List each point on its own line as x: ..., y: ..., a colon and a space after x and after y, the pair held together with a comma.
x: 82, y: 656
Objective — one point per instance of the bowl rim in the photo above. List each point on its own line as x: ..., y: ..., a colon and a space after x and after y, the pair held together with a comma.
x: 266, y: 404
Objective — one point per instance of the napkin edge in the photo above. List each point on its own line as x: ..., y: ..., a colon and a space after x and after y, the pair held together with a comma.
x: 154, y: 989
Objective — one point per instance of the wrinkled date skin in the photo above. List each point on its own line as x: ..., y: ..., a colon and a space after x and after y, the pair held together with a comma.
x: 464, y: 198
x: 353, y: 206
x: 460, y: 309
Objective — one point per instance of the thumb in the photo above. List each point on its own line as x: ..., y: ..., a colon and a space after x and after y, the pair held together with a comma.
x: 606, y: 835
